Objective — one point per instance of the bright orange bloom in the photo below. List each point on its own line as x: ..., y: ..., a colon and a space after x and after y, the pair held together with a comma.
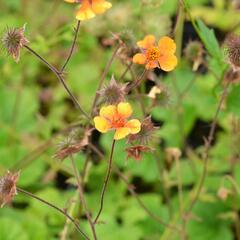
x: 115, y: 117
x: 90, y: 8
x: 161, y: 55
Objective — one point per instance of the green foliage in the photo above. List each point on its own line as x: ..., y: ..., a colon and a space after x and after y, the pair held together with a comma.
x: 35, y: 109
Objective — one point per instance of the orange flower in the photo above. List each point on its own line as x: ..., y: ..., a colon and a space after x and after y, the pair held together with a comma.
x: 153, y: 56
x: 115, y: 117
x: 90, y: 8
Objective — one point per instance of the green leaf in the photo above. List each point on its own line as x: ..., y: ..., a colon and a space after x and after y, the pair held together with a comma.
x: 233, y: 100
x: 209, y: 39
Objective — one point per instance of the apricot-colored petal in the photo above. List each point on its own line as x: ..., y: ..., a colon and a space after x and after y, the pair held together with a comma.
x: 124, y: 109
x: 168, y: 62
x: 85, y: 12
x: 134, y: 125
x: 167, y: 45
x: 151, y: 65
x: 108, y: 112
x: 139, y: 58
x: 101, y: 124
x: 100, y: 6
x: 147, y: 42
x: 121, y: 133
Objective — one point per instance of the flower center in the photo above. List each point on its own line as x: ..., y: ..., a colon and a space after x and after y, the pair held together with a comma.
x: 118, y: 122
x: 153, y: 54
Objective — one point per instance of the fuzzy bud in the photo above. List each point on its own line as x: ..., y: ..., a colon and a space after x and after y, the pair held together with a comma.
x: 194, y: 54
x: 13, y: 40
x: 146, y: 133
x: 160, y: 96
x: 8, y: 188
x: 74, y: 143
x: 233, y: 51
x: 113, y: 93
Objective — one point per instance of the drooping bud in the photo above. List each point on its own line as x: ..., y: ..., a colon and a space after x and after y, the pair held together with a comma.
x: 194, y: 54
x: 113, y: 93
x: 172, y: 154
x: 13, y: 40
x: 233, y: 51
x: 160, y: 96
x: 223, y: 193
x: 8, y: 188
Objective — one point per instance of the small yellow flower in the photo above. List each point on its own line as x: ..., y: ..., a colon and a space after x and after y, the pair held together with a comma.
x: 161, y: 55
x: 90, y: 8
x: 115, y: 117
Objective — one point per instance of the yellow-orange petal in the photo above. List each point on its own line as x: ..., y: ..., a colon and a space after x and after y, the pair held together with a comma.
x: 101, y: 124
x: 167, y: 45
x: 124, y: 109
x: 139, y: 58
x: 85, y: 12
x: 100, y: 6
x: 147, y: 42
x: 134, y: 126
x: 108, y: 112
x: 121, y: 133
x: 168, y: 62
x: 151, y: 65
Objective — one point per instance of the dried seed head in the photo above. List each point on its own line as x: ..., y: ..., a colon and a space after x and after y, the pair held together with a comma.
x: 72, y: 144
x: 136, y: 152
x: 146, y: 133
x: 13, y: 40
x: 194, y: 53
x: 113, y: 93
x: 8, y: 188
x: 233, y: 51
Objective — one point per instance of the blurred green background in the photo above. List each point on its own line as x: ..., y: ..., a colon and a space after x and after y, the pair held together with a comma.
x: 35, y: 107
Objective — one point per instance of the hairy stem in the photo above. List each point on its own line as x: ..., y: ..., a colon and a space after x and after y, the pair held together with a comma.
x: 60, y: 78
x: 56, y: 208
x: 105, y: 182
x: 207, y: 148
x: 104, y: 74
x: 134, y: 194
x: 137, y: 82
x: 82, y: 198
x: 72, y: 47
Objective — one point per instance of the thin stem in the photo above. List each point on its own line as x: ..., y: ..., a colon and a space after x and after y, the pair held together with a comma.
x: 137, y: 81
x: 64, y: 232
x: 126, y: 71
x: 82, y: 198
x: 179, y: 30
x: 56, y: 208
x: 134, y: 194
x: 104, y: 74
x: 61, y: 79
x: 72, y: 47
x: 105, y: 182
x: 180, y: 196
x: 207, y: 148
